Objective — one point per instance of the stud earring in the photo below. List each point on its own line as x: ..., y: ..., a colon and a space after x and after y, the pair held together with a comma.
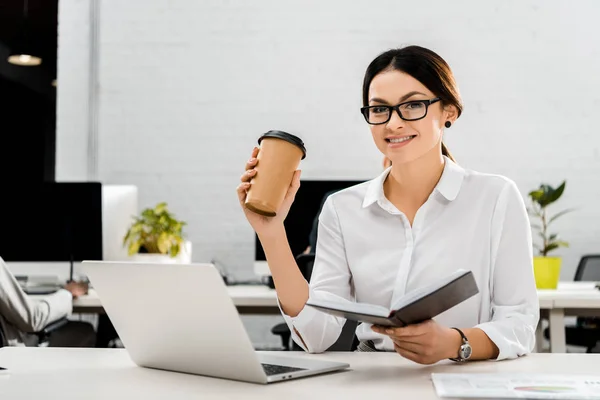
x: 448, y: 124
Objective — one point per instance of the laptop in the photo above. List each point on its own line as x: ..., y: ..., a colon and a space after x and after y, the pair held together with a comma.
x: 180, y: 317
x: 33, y: 285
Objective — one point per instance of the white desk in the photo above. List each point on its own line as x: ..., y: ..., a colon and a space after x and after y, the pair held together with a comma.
x: 107, y: 373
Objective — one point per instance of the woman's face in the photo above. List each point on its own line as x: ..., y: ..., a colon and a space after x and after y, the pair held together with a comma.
x: 404, y: 141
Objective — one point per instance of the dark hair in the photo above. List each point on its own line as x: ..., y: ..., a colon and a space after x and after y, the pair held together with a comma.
x: 425, y: 66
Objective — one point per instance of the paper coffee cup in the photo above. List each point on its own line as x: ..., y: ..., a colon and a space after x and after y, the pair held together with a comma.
x: 278, y: 158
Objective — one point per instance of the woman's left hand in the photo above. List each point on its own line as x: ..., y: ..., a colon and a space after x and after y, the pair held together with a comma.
x: 424, y: 343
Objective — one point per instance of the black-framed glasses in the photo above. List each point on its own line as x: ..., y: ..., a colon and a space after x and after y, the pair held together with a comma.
x: 409, y: 111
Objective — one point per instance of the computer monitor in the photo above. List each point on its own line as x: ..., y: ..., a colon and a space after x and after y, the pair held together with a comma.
x: 51, y: 222
x: 305, y: 208
x: 119, y: 207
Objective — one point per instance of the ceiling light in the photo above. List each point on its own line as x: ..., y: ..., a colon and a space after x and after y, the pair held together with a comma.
x: 22, y: 53
x: 26, y: 60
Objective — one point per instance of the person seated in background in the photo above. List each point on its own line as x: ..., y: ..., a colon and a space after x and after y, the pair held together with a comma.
x: 312, y: 237
x: 20, y: 315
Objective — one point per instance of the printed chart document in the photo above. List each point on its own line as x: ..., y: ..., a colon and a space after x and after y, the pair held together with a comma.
x: 517, y: 386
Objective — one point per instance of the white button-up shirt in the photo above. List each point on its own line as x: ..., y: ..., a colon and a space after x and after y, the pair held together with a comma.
x: 368, y: 252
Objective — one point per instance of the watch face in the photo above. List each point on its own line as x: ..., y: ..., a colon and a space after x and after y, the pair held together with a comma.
x: 465, y: 351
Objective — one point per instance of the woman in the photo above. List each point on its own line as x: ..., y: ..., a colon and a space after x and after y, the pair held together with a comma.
x: 420, y: 220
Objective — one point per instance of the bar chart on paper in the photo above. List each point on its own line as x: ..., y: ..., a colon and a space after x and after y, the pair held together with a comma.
x: 517, y: 386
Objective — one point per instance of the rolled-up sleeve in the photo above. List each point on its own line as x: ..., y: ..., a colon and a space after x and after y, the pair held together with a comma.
x: 330, y: 280
x: 514, y: 302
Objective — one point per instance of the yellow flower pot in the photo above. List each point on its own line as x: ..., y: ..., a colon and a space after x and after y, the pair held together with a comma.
x: 546, y: 271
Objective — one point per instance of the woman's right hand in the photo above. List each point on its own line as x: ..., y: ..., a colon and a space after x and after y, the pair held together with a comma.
x: 264, y: 225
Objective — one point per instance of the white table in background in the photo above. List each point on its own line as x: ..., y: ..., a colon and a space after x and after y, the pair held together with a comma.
x: 254, y: 299
x: 580, y: 299
x: 110, y: 373
x: 249, y: 299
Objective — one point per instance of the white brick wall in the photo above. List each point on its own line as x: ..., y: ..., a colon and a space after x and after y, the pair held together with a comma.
x: 186, y: 88
x: 72, y: 90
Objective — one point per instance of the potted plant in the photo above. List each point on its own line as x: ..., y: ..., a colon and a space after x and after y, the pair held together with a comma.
x: 546, y: 269
x: 157, y: 236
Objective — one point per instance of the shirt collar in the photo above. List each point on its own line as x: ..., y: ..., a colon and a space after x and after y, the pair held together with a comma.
x: 448, y: 185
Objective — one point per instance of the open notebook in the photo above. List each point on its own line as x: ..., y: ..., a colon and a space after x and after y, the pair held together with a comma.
x: 416, y: 306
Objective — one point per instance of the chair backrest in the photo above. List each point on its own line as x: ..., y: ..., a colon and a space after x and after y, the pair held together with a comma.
x: 588, y: 268
x: 305, y: 264
x: 347, y: 340
x: 2, y: 339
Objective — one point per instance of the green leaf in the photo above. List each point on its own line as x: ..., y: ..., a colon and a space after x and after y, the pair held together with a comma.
x: 536, y: 226
x: 550, y: 194
x: 536, y: 195
x: 160, y: 207
x: 134, y: 247
x: 549, y: 248
x: 126, y: 237
x: 163, y: 243
x: 175, y: 250
x: 554, y: 245
x: 548, y: 191
x: 557, y: 193
x: 560, y: 214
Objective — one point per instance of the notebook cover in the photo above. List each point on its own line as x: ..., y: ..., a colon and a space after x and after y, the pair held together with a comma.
x: 435, y: 303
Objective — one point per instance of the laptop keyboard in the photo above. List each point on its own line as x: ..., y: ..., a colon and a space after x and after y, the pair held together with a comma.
x: 271, y: 369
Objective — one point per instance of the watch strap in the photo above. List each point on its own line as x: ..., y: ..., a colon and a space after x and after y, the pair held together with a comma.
x: 464, y: 341
x: 462, y: 335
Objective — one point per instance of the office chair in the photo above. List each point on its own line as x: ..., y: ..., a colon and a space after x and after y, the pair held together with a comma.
x: 2, y: 338
x: 586, y: 332
x: 43, y: 336
x: 347, y: 340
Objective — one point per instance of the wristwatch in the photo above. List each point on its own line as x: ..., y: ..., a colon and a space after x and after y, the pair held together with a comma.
x: 465, y: 351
